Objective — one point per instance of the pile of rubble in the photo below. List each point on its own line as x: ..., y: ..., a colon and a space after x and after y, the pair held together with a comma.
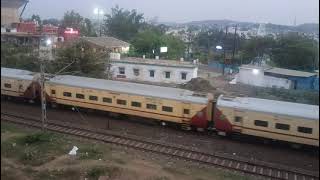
x: 198, y: 84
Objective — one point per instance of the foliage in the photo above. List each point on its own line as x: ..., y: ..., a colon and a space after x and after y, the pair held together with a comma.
x: 123, y: 24
x: 83, y: 60
x: 52, y: 21
x: 152, y: 39
x: 19, y: 57
x: 75, y: 20
x: 37, y: 18
x: 294, y: 51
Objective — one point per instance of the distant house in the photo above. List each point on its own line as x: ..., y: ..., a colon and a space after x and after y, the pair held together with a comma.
x: 107, y: 43
x: 276, y: 77
x: 153, y: 70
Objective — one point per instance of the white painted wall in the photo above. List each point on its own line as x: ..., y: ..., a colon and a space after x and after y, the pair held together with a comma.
x: 246, y: 76
x: 270, y: 81
x: 159, y: 76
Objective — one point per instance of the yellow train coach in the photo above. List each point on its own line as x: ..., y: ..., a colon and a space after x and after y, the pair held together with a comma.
x: 160, y: 103
x: 277, y: 120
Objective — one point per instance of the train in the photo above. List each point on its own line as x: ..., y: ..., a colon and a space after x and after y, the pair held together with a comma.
x: 268, y: 119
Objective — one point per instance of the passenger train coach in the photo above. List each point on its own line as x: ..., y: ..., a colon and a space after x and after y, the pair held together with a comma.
x: 277, y: 120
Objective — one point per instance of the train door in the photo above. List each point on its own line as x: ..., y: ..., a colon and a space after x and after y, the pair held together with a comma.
x: 238, y: 120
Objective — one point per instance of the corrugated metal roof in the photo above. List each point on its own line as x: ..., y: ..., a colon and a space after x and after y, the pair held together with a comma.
x: 289, y: 72
x: 16, y: 73
x: 157, y: 62
x: 307, y: 111
x: 130, y: 88
x: 105, y: 41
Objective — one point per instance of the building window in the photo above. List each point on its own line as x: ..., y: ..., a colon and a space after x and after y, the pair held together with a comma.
x: 6, y: 85
x: 305, y: 130
x: 93, y: 98
x: 186, y: 111
x: 151, y: 106
x: 151, y: 73
x: 167, y: 109
x: 238, y: 119
x: 183, y: 76
x: 261, y: 123
x: 121, y: 102
x: 136, y: 72
x: 80, y: 96
x: 282, y: 126
x: 53, y: 91
x: 135, y: 104
x: 107, y: 100
x: 122, y: 70
x: 167, y: 74
x: 67, y: 94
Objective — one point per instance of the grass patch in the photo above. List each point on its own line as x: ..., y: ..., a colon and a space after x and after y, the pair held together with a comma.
x: 159, y: 178
x: 96, y: 172
x: 33, y: 149
x: 90, y: 152
x: 69, y: 174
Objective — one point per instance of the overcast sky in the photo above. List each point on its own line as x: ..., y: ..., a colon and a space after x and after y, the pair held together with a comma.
x: 273, y: 11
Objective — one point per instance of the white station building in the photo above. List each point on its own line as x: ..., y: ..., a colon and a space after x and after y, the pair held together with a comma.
x: 153, y: 70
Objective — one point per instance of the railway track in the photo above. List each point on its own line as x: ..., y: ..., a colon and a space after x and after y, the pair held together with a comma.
x: 262, y: 169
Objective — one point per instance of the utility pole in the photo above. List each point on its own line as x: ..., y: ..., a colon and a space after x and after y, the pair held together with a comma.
x: 234, y: 42
x: 224, y: 50
x: 43, y: 95
x: 44, y: 53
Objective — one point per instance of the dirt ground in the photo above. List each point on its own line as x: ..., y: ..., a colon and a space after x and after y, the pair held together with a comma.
x: 93, y: 160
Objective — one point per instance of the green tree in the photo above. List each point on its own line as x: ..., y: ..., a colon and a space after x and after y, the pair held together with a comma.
x: 257, y: 47
x: 123, y: 24
x: 295, y: 51
x: 37, y: 18
x: 18, y: 57
x: 83, y: 60
x: 75, y: 20
x: 150, y: 40
x: 52, y: 21
x: 72, y: 19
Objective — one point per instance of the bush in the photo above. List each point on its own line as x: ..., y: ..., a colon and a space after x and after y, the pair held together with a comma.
x: 37, y: 138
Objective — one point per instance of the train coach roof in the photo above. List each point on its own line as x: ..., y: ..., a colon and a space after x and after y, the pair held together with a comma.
x: 271, y: 106
x: 130, y: 88
x: 16, y: 73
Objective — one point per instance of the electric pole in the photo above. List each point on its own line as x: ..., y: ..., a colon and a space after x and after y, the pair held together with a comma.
x: 224, y: 50
x: 44, y: 55
x: 234, y: 42
x: 43, y: 94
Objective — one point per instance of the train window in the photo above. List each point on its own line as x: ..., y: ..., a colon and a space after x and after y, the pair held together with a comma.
x: 261, y: 123
x: 7, y: 85
x: 238, y: 119
x: 167, y: 108
x: 305, y: 130
x: 53, y: 91
x: 121, y: 102
x: 67, y: 94
x: 186, y: 111
x: 107, y: 100
x: 151, y: 106
x: 135, y: 104
x: 93, y: 98
x: 282, y: 126
x: 80, y: 96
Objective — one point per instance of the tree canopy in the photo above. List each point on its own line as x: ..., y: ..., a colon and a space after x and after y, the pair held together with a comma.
x: 75, y: 20
x: 123, y: 24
